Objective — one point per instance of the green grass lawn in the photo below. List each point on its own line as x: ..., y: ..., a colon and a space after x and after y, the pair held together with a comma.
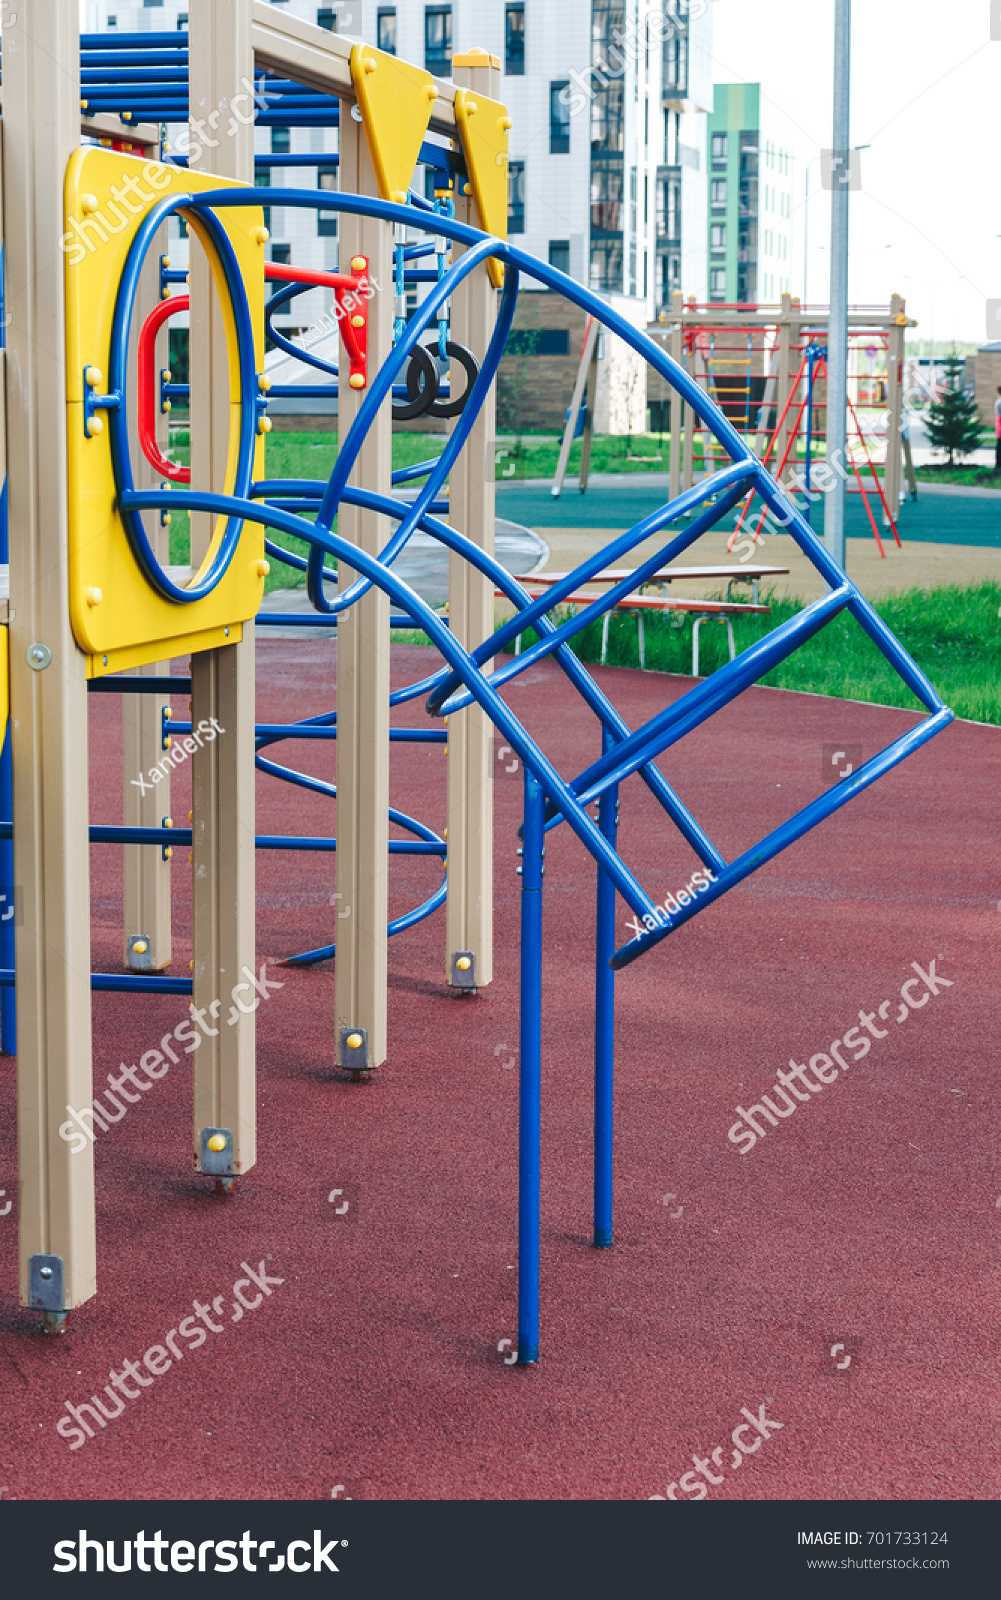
x: 953, y: 634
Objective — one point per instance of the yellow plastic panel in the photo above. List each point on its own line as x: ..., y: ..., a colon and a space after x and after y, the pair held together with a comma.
x: 483, y: 133
x: 4, y: 679
x: 395, y: 100
x: 118, y: 619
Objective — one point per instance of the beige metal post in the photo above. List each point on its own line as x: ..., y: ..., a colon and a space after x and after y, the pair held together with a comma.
x: 48, y: 706
x: 363, y: 660
x: 222, y: 681
x: 469, y: 920
x: 894, y: 404
x: 146, y: 874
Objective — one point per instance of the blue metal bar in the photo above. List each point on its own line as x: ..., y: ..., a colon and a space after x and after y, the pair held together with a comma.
x: 530, y: 1076
x: 299, y: 160
x: 780, y: 838
x: 129, y: 982
x: 604, y: 1027
x: 135, y: 41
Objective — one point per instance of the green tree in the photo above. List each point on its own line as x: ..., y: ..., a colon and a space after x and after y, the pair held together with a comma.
x: 952, y: 421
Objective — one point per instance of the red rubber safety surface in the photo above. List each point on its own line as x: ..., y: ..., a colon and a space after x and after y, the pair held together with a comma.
x: 869, y: 1220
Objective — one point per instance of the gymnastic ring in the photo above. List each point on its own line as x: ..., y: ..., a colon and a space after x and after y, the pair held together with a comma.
x: 422, y: 393
x: 471, y: 367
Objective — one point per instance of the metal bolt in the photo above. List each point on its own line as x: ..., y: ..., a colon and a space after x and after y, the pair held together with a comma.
x: 39, y: 656
x: 45, y: 1272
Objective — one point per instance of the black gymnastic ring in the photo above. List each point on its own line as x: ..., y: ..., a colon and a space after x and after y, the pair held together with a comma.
x: 471, y: 367
x: 422, y: 394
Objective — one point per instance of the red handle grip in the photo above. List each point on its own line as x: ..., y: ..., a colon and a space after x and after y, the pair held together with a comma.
x: 147, y: 389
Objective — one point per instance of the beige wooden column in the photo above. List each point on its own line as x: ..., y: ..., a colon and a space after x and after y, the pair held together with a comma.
x: 363, y: 658
x: 146, y: 875
x: 469, y: 915
x: 48, y: 707
x: 222, y: 681
x: 894, y: 405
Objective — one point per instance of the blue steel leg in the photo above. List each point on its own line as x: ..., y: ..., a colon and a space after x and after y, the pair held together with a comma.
x: 604, y: 1027
x: 8, y: 1002
x: 530, y: 1085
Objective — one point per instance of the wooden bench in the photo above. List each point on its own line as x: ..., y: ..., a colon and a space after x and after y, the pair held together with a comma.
x: 635, y: 605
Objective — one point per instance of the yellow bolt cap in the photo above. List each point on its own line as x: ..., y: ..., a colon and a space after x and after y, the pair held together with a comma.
x: 262, y: 568
x: 166, y: 519
x: 166, y: 261
x: 93, y: 376
x: 166, y: 405
x: 370, y: 65
x: 95, y: 425
x: 261, y: 235
x: 166, y: 375
x: 463, y: 963
x: 264, y: 424
x: 357, y: 322
x: 358, y: 263
x: 88, y: 203
x: 168, y: 741
x: 431, y: 90
x: 354, y: 1041
x: 94, y: 597
x: 140, y: 946
x: 505, y: 123
x: 217, y: 1142
x: 356, y: 381
x: 399, y: 195
x: 264, y: 383
x: 168, y: 852
x: 467, y: 188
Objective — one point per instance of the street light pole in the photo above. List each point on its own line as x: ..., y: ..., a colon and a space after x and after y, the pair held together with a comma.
x: 837, y: 327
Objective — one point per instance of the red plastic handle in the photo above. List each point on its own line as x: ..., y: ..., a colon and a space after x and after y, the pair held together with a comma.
x: 147, y: 388
x: 345, y: 285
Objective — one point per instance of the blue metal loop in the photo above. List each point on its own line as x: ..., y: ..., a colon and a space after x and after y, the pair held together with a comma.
x: 217, y: 564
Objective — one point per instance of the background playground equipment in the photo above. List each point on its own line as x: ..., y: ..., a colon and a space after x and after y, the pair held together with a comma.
x: 761, y: 366
x: 49, y: 706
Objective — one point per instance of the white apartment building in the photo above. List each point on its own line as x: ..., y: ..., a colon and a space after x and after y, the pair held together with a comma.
x: 608, y: 145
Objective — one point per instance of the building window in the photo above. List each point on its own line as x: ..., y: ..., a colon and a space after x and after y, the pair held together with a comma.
x: 514, y: 41
x: 282, y: 253
x: 717, y: 283
x: 606, y: 199
x: 182, y: 21
x: 326, y: 221
x: 113, y: 21
x: 559, y: 254
x: 438, y: 39
x: 326, y: 17
x: 606, y: 266
x: 673, y: 218
x: 720, y: 142
x: 262, y: 179
x: 151, y: 5
x: 717, y: 236
x: 559, y: 118
x: 516, y: 197
x: 718, y: 192
x: 386, y: 30
x: 281, y: 141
